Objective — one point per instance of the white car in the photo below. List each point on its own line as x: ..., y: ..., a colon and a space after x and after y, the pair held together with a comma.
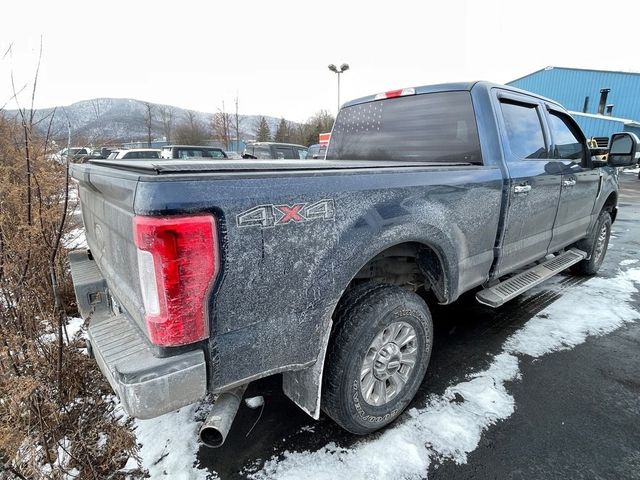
x: 135, y: 154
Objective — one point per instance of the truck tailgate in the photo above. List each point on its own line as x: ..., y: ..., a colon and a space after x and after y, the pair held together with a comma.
x: 107, y: 212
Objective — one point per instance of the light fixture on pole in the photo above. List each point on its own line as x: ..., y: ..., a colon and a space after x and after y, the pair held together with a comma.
x: 343, y: 68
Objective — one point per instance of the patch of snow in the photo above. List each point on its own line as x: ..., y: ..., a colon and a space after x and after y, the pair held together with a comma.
x: 632, y: 171
x: 102, y: 441
x: 169, y: 445
x: 75, y: 328
x: 130, y: 466
x: 75, y: 239
x: 72, y: 474
x: 449, y: 428
x: 254, y: 402
x: 550, y: 331
x: 629, y: 262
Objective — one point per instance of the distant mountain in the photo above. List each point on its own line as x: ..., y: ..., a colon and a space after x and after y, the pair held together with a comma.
x: 117, y: 120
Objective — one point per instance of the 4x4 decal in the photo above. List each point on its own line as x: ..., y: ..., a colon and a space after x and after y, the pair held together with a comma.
x: 273, y: 215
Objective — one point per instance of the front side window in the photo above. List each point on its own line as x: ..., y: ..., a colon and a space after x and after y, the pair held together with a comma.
x: 524, y: 130
x: 262, y: 152
x: 431, y: 127
x: 567, y: 146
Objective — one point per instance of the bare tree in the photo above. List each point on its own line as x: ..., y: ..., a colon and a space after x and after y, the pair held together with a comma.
x: 148, y: 120
x: 191, y: 131
x: 237, y: 125
x: 221, y: 123
x: 167, y: 114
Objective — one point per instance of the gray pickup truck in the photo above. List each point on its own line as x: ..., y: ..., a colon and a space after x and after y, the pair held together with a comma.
x: 203, y: 275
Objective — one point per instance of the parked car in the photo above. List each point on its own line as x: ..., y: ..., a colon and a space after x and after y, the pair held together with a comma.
x: 134, y: 154
x: 274, y: 151
x: 233, y: 155
x: 203, y: 278
x: 101, y: 152
x: 318, y: 150
x: 73, y: 153
x: 192, y: 151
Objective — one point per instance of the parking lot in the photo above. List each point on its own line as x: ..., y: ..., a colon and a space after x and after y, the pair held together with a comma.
x: 568, y: 412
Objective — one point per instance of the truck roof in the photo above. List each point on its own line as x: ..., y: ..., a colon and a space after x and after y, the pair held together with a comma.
x: 452, y: 87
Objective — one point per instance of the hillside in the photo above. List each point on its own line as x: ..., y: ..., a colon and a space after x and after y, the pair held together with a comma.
x: 107, y: 120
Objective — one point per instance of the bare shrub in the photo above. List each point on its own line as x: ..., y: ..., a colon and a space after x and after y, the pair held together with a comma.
x: 57, y: 419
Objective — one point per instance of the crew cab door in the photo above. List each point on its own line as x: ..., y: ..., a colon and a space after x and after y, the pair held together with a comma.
x: 533, y: 189
x: 580, y: 182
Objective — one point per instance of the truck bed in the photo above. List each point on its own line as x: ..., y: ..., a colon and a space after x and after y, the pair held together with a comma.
x: 248, y: 165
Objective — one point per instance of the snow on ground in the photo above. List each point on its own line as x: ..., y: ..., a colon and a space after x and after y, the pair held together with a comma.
x: 632, y: 171
x: 169, y: 445
x: 75, y: 239
x: 629, y: 262
x: 450, y: 428
x: 75, y: 328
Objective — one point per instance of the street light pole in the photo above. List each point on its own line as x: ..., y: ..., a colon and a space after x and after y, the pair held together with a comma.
x: 343, y: 68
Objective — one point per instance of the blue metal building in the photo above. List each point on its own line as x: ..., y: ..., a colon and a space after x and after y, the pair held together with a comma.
x: 602, y: 102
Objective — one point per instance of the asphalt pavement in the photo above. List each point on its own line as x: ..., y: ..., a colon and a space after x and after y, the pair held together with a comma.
x: 577, y: 412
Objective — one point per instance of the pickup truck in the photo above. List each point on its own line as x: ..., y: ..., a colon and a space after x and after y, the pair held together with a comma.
x: 202, y: 275
x: 275, y: 151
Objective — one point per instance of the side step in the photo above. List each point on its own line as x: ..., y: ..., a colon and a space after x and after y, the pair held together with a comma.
x: 520, y: 283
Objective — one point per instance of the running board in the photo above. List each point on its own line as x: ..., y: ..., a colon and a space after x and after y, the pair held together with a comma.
x: 520, y: 283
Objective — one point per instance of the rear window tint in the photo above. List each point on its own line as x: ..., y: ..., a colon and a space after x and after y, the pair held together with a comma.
x: 433, y: 127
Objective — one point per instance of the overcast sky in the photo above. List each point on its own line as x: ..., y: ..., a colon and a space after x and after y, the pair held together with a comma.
x: 274, y: 54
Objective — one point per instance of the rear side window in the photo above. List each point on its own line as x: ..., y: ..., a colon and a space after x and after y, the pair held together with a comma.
x: 433, y: 127
x: 284, y: 152
x: 214, y: 153
x: 524, y: 130
x: 567, y: 146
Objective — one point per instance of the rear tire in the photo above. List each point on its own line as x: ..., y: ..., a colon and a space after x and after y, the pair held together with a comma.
x: 377, y: 358
x: 595, y: 245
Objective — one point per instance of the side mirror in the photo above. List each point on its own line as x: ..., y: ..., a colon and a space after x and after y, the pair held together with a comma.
x: 623, y: 149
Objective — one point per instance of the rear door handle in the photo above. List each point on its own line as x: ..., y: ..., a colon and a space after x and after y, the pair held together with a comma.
x: 521, y: 189
x: 568, y: 183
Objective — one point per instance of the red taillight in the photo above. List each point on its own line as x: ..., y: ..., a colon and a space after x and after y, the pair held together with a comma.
x: 403, y: 92
x: 177, y: 264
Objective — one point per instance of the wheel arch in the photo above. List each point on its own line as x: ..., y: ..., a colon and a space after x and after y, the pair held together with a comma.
x: 434, y: 262
x: 611, y: 205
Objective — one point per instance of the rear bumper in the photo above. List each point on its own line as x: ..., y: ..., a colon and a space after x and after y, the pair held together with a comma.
x: 147, y: 385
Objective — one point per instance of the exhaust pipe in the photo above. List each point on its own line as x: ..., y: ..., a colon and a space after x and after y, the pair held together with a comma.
x: 216, y: 426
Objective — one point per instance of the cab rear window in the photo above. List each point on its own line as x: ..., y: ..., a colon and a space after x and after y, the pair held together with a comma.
x: 432, y: 127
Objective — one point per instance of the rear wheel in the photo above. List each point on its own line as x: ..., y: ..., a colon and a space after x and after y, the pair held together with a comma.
x: 377, y: 358
x: 595, y: 245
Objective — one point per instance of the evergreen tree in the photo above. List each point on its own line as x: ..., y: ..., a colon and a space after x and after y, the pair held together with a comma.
x: 283, y: 134
x: 263, y: 134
